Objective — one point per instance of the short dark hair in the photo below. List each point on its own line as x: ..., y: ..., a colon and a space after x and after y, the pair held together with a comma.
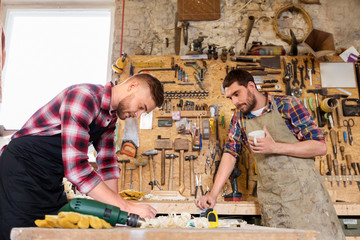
x: 156, y: 88
x: 242, y: 77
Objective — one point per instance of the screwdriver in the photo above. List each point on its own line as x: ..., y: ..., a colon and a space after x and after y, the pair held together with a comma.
x: 336, y: 170
x: 328, y: 158
x: 343, y: 172
x: 322, y: 166
x: 333, y: 141
x: 349, y: 164
x: 342, y: 151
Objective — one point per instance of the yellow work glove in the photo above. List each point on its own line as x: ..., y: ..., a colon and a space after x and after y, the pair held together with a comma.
x: 72, y: 220
x: 131, y: 194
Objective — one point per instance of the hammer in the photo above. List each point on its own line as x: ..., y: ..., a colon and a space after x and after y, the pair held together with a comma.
x: 140, y: 162
x: 322, y: 91
x: 171, y: 157
x: 191, y: 159
x: 123, y: 168
x: 150, y: 154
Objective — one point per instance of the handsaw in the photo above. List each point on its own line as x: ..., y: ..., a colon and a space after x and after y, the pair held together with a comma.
x: 269, y: 62
x: 130, y: 141
x: 177, y: 35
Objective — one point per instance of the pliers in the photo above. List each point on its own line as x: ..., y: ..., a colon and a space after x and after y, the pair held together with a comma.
x: 198, y: 185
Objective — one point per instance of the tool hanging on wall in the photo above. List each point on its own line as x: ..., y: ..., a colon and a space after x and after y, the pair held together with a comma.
x: 130, y: 141
x: 163, y: 144
x: 118, y: 67
x: 150, y: 154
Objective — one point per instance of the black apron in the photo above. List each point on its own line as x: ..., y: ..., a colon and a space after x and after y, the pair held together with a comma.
x: 31, y: 174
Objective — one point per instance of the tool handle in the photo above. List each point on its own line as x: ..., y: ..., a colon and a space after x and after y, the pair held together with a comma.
x: 181, y: 165
x: 333, y: 141
x: 152, y: 173
x: 140, y: 178
x: 192, y: 178
x: 322, y: 166
x: 348, y: 160
x: 163, y: 167
x: 243, y: 59
x: 318, y: 113
x: 336, y: 167
x: 171, y: 174
x: 329, y: 163
x: 123, y: 169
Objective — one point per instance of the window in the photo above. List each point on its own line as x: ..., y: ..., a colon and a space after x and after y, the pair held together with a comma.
x: 48, y: 50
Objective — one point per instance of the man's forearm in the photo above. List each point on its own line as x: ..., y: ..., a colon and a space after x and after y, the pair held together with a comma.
x: 304, y: 149
x: 226, y: 166
x: 103, y: 193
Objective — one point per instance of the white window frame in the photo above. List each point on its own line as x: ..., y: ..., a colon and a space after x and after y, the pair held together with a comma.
x: 77, y: 5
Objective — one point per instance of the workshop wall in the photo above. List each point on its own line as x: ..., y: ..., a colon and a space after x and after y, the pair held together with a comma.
x: 148, y: 23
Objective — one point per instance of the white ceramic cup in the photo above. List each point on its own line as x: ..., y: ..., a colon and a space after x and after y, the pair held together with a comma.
x: 257, y: 134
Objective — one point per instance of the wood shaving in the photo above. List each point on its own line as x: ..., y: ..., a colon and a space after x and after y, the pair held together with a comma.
x: 184, y: 220
x: 157, y: 198
x: 70, y: 194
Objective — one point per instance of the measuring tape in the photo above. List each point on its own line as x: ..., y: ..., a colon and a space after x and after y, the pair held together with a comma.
x: 211, y: 216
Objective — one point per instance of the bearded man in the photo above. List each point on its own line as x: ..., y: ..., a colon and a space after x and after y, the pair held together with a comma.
x: 291, y: 192
x: 54, y: 143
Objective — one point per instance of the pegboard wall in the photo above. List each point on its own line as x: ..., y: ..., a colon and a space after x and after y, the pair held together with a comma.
x: 216, y: 72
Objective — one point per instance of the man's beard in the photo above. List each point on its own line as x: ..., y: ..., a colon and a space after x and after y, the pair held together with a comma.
x: 250, y: 103
x: 122, y: 106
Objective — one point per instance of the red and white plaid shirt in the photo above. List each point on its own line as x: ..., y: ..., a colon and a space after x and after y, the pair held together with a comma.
x: 70, y: 113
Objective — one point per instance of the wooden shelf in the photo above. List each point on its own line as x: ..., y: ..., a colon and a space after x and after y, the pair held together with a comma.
x: 237, y: 208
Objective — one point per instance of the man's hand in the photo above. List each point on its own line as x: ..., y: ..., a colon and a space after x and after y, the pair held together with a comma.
x: 265, y: 145
x: 206, y: 201
x: 143, y: 210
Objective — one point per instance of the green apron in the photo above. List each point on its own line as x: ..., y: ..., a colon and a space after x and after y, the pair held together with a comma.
x: 291, y: 192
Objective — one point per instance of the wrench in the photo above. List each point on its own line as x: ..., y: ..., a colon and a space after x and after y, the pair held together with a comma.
x: 306, y: 67
x: 301, y: 68
x: 295, y: 81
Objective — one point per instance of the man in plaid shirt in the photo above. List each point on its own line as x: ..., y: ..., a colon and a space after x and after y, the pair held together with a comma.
x: 291, y: 192
x: 54, y: 142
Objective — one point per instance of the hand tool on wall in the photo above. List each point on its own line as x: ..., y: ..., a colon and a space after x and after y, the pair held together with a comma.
x: 351, y: 107
x: 171, y: 174
x: 336, y: 170
x: 123, y: 169
x: 216, y: 113
x: 306, y: 61
x: 301, y: 69
x: 342, y: 151
x: 329, y: 163
x: 348, y: 164
x: 109, y: 213
x: 163, y: 144
x: 322, y: 166
x: 343, y: 173
x: 150, y: 154
x: 131, y: 176
x: 191, y: 159
x: 181, y: 144
x: 185, y: 27
x: 333, y: 141
x: 130, y: 141
x: 322, y: 91
x: 140, y: 162
x: 249, y: 27
x: 120, y: 64
x: 349, y: 123
x: 287, y: 76
x: 338, y: 107
x: 198, y: 185
x: 177, y: 35
x: 269, y: 62
x: 295, y: 81
x: 264, y: 73
x: 353, y: 165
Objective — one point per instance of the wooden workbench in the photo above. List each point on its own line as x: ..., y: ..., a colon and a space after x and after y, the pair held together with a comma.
x: 243, y: 233
x: 238, y: 208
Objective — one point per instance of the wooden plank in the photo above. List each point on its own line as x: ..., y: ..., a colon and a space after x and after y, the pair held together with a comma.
x: 187, y: 114
x: 243, y: 233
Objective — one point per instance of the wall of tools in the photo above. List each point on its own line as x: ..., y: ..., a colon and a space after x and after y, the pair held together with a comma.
x: 183, y: 148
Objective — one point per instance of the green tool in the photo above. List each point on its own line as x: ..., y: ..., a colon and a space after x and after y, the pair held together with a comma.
x: 109, y: 213
x: 312, y: 107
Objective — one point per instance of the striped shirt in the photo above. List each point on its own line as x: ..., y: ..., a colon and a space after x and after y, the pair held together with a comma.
x: 70, y: 113
x: 294, y: 114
